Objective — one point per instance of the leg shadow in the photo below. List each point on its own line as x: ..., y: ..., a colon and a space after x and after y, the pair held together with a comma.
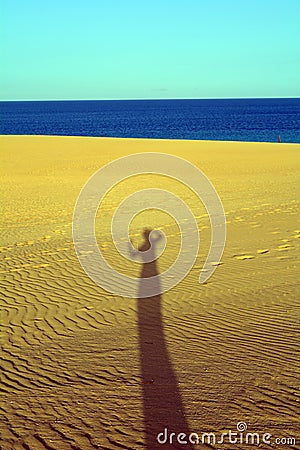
x: 163, y: 408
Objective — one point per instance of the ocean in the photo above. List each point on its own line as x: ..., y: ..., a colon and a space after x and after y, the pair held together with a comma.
x: 254, y: 120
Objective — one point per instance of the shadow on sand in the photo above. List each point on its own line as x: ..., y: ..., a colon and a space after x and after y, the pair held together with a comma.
x: 162, y: 403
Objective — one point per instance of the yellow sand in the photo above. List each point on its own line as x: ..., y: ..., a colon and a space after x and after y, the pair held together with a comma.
x: 72, y: 359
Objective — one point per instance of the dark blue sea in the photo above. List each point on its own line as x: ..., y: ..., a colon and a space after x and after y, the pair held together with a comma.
x: 229, y: 120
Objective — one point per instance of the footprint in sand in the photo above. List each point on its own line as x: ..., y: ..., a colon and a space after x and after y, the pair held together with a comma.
x: 242, y: 257
x: 59, y: 231
x: 22, y: 244
x: 283, y: 248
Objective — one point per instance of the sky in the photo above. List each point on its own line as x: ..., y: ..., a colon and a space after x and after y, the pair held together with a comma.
x: 115, y: 49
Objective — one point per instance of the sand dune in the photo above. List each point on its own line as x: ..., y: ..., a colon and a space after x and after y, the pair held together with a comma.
x: 85, y: 369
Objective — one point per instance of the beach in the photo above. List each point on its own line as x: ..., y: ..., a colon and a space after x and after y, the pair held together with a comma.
x: 86, y: 369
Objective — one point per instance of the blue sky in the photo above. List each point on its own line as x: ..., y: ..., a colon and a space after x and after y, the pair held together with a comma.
x: 98, y: 49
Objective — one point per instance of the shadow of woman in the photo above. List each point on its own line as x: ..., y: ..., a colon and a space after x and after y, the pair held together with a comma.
x: 163, y: 408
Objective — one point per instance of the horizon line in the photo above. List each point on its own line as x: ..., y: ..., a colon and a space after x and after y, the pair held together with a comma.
x: 143, y: 98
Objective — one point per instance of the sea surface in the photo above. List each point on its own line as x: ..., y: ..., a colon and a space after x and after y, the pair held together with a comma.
x: 256, y: 120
